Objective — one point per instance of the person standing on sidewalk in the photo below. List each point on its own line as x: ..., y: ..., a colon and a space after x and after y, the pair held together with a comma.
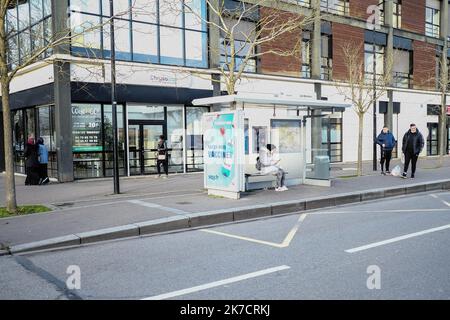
x: 43, y: 162
x: 32, y: 162
x: 162, y: 156
x: 387, y: 143
x: 413, y: 144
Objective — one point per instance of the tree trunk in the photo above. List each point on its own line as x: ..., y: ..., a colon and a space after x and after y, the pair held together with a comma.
x: 360, y: 142
x: 10, y: 186
x: 442, y: 130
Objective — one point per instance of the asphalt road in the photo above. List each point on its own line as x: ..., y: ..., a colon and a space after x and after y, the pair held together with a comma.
x: 395, y: 249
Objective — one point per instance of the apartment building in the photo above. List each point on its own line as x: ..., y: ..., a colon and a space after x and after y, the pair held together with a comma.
x: 164, y: 61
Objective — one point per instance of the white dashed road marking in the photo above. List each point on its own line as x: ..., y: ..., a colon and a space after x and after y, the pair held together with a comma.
x: 396, y: 239
x: 217, y: 283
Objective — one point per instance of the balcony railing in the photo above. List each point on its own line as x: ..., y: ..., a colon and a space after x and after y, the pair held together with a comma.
x: 402, y: 80
x: 432, y: 30
x: 339, y: 7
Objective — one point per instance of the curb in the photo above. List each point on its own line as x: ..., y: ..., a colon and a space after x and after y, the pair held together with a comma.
x: 208, y: 218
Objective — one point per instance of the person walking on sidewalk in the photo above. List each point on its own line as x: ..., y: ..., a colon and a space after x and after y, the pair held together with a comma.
x: 43, y: 162
x: 162, y: 156
x: 387, y: 143
x: 413, y: 144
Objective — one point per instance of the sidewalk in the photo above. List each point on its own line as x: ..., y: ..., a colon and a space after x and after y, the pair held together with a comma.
x: 150, y: 204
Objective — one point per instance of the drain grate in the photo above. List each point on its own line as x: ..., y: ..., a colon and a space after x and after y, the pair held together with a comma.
x: 184, y: 202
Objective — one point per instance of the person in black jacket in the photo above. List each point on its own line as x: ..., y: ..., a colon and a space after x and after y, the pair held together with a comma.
x: 387, y: 142
x: 32, y: 162
x: 413, y: 144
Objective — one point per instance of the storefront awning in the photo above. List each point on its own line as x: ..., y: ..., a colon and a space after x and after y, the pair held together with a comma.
x: 270, y: 101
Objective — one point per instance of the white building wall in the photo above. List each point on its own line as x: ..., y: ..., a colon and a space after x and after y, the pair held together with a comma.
x: 142, y: 74
x: 413, y: 109
x: 36, y: 75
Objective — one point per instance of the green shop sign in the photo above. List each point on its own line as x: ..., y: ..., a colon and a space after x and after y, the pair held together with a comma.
x: 87, y: 148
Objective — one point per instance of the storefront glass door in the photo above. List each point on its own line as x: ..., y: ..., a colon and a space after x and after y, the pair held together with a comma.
x: 143, y: 139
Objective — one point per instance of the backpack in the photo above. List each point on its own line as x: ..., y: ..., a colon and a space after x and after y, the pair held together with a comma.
x: 258, y: 164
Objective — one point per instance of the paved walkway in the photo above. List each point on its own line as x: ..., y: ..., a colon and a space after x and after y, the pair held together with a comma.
x: 90, y: 205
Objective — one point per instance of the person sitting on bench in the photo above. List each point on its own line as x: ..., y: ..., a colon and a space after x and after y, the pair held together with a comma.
x: 269, y: 165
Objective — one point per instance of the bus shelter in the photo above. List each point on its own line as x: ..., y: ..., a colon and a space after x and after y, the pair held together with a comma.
x: 239, y: 127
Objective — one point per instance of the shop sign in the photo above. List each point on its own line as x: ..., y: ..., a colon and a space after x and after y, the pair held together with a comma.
x: 86, y: 128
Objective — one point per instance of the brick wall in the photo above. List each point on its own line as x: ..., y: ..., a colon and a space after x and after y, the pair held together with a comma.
x: 413, y: 16
x: 342, y: 35
x: 424, y: 65
x: 272, y: 63
x: 358, y: 8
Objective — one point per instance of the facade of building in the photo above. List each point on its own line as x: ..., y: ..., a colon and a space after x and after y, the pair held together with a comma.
x: 165, y: 61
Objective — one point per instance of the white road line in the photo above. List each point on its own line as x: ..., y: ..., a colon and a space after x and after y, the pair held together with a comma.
x: 157, y: 206
x: 380, y: 211
x: 267, y: 243
x: 435, y: 196
x: 217, y: 283
x: 286, y: 242
x: 291, y: 234
x: 396, y: 239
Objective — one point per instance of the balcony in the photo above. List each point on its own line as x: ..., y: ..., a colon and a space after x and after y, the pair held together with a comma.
x: 402, y: 80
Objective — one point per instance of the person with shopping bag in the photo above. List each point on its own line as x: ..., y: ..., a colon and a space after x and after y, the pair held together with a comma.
x: 162, y: 156
x: 387, y: 142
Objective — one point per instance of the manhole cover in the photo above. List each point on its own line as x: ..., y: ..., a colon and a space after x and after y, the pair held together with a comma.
x: 184, y: 202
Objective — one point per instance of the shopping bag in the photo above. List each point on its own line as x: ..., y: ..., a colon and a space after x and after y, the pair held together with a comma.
x: 396, y: 172
x: 402, y: 158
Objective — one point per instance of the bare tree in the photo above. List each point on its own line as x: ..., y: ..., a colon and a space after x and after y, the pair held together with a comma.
x: 11, y: 66
x: 358, y: 89
x: 443, y: 84
x: 247, y: 32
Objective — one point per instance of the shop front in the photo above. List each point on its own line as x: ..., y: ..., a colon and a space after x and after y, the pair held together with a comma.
x: 139, y: 128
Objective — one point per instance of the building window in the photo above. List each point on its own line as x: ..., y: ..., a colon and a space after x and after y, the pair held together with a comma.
x: 38, y: 122
x: 439, y: 81
x: 339, y: 7
x: 433, y: 139
x: 432, y: 18
x: 28, y: 27
x: 304, y: 3
x: 194, y: 138
x: 433, y: 109
x: 306, y: 54
x: 397, y: 19
x: 143, y: 30
x: 326, y: 60
x: 326, y: 66
x: 241, y: 51
x: 373, y: 61
x: 92, y: 140
x: 46, y: 130
x: 243, y: 37
x: 332, y: 138
x: 402, y: 68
